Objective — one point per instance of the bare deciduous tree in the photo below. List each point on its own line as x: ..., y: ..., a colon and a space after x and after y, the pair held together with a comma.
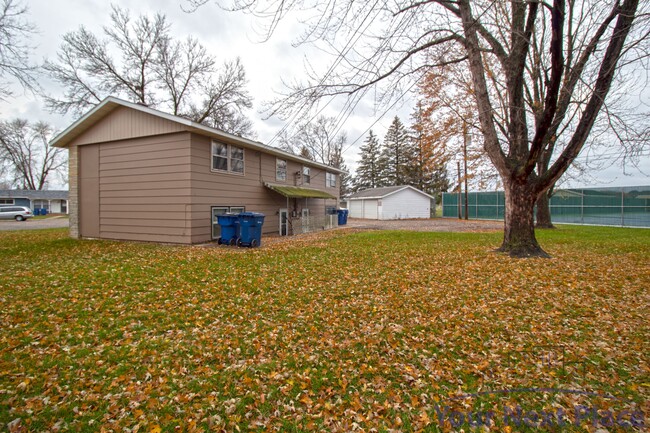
x: 139, y: 60
x: 318, y: 138
x: 25, y: 154
x: 392, y: 44
x: 15, y: 31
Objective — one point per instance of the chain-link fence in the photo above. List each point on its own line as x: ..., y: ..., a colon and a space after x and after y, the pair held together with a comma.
x: 622, y: 206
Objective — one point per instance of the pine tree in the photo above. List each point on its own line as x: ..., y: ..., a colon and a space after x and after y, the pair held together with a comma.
x: 336, y: 160
x: 370, y: 167
x: 396, y: 155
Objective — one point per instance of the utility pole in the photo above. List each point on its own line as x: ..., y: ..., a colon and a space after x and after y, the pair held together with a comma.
x: 466, y: 139
x: 460, y: 195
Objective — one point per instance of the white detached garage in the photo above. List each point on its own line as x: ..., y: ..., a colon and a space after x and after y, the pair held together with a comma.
x: 390, y: 203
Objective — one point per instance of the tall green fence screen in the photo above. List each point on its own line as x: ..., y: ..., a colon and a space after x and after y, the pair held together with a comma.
x: 626, y: 206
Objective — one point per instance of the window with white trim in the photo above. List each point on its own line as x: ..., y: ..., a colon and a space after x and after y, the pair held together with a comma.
x: 280, y: 169
x: 7, y: 201
x: 41, y: 204
x: 226, y: 157
x: 306, y: 175
x: 330, y: 181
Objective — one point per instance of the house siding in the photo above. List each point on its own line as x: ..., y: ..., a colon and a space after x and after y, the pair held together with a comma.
x: 142, y: 189
x: 212, y: 188
x: 124, y: 123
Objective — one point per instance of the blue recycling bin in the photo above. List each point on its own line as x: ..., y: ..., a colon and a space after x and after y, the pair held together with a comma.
x: 36, y: 211
x: 343, y: 216
x: 43, y: 211
x: 229, y: 224
x: 250, y: 229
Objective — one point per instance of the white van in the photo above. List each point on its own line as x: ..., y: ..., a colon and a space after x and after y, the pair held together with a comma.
x: 19, y: 213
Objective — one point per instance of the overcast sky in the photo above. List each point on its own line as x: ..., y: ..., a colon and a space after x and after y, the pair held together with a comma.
x: 228, y: 35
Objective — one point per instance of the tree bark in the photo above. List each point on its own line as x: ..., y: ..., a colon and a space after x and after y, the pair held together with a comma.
x: 543, y: 212
x: 519, y: 227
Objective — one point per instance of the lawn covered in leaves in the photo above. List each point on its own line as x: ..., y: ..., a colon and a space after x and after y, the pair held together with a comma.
x: 369, y: 331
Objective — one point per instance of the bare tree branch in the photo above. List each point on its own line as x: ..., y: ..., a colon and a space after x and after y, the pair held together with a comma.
x: 137, y: 59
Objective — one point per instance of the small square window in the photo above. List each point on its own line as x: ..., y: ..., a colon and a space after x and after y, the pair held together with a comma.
x: 227, y: 158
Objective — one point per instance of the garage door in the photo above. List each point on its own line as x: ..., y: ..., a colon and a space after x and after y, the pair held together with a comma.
x: 370, y: 209
x: 356, y: 209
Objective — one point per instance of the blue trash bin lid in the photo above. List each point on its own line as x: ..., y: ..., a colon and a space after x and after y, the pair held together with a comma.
x: 227, y: 218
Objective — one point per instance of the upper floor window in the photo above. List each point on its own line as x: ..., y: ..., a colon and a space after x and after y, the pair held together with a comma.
x: 306, y: 174
x: 226, y: 157
x: 330, y: 180
x: 280, y: 169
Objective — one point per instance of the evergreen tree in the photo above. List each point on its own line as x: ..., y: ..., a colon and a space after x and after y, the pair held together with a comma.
x: 396, y: 155
x: 370, y: 168
x: 337, y: 161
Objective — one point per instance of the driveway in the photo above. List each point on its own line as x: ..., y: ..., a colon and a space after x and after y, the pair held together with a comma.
x: 56, y: 222
x: 427, y: 225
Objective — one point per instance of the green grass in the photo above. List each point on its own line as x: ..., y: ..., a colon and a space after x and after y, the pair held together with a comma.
x: 374, y: 329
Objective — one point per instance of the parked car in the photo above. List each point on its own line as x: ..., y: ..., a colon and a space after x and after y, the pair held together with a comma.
x: 19, y: 213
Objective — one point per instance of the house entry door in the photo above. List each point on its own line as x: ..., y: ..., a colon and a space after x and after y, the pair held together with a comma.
x: 305, y: 220
x: 284, y: 228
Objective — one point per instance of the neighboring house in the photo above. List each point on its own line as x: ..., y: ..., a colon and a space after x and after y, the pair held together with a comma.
x: 140, y: 174
x: 53, y: 201
x: 390, y: 203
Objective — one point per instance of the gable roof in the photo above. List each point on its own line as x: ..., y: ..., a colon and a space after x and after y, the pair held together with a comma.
x: 104, y: 108
x: 376, y: 193
x: 34, y: 194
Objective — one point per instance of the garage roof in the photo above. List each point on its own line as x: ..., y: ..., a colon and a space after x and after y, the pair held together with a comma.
x: 298, y: 192
x: 376, y: 193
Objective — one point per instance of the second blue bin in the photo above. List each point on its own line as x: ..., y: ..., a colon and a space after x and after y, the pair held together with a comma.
x: 250, y: 229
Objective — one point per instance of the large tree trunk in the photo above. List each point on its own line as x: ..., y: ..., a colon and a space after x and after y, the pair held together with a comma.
x: 543, y: 212
x: 519, y: 225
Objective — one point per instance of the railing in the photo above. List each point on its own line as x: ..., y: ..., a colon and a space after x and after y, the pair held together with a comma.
x: 313, y: 223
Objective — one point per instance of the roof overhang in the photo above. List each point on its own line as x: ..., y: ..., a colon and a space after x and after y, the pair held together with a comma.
x: 109, y: 104
x: 299, y: 191
x: 379, y: 197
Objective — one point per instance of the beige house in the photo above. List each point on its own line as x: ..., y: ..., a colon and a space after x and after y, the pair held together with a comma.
x: 139, y: 174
